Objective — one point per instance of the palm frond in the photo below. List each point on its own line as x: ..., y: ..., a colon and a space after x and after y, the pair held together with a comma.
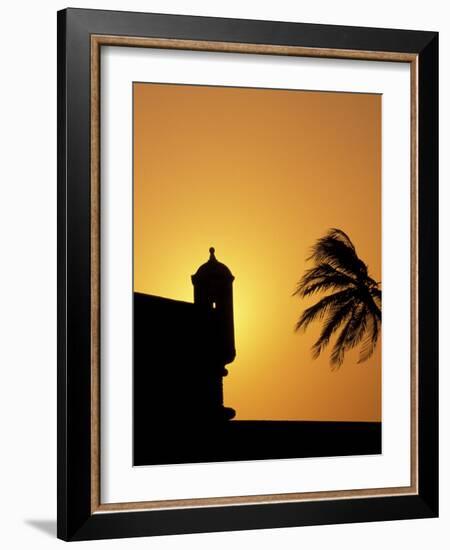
x: 375, y: 293
x: 318, y: 310
x: 321, y: 278
x: 336, y: 249
x: 335, y: 319
x: 374, y: 304
x: 371, y: 339
x: 338, y: 351
x: 358, y: 326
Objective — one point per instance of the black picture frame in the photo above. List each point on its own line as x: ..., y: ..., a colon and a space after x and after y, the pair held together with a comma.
x: 76, y: 518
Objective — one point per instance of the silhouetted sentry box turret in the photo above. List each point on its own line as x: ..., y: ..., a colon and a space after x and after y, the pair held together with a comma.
x: 213, y: 290
x: 180, y: 353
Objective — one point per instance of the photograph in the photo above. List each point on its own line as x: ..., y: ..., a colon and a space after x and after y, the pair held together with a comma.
x: 257, y: 273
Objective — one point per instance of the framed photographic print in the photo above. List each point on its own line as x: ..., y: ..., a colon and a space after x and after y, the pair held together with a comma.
x: 247, y: 256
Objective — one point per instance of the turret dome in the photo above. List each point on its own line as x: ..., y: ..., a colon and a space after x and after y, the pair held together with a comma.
x: 212, y: 270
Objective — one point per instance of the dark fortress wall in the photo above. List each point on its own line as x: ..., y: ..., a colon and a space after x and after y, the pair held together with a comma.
x: 176, y: 375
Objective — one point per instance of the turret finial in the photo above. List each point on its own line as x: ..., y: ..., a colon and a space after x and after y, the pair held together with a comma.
x: 212, y: 251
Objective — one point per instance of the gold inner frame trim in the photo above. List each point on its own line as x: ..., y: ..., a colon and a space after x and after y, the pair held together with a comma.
x: 97, y: 41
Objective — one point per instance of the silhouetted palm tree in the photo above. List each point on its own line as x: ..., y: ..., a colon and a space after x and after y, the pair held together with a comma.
x: 354, y: 307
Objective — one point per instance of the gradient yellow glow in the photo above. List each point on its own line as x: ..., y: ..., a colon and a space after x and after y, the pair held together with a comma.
x: 260, y: 175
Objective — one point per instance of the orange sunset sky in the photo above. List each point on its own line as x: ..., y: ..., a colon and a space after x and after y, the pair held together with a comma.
x: 260, y: 175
